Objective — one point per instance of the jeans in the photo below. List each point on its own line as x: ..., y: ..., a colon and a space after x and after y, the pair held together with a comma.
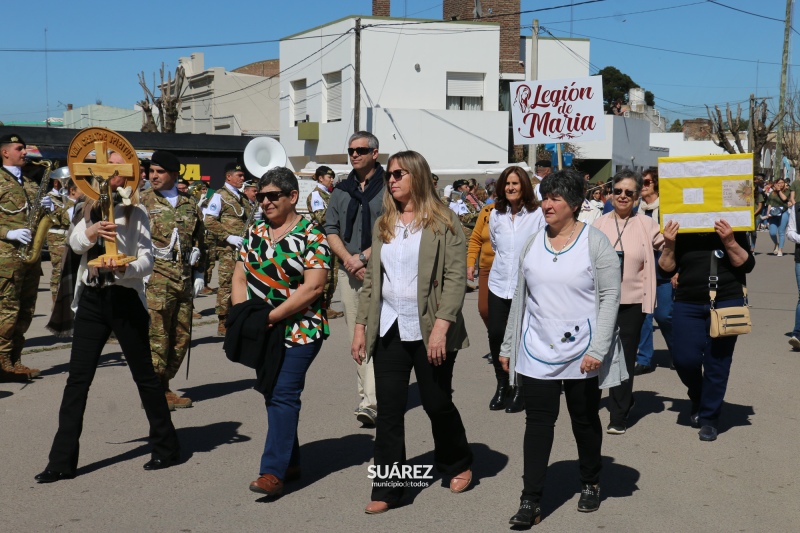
x: 542, y: 402
x: 777, y: 228
x: 282, y: 449
x: 629, y: 322
x: 394, y: 360
x: 100, y: 312
x: 702, y: 363
x: 663, y: 315
x: 796, y: 330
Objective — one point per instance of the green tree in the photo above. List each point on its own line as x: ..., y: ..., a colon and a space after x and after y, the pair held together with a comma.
x: 616, y: 86
x: 676, y: 127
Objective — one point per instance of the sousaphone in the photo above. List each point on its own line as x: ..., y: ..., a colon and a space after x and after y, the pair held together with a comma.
x: 262, y: 154
x: 92, y: 177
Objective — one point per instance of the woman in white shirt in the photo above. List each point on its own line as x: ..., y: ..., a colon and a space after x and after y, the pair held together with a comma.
x: 559, y: 334
x: 107, y: 300
x: 515, y: 218
x: 409, y: 316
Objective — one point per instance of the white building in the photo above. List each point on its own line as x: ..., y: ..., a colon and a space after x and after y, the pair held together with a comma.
x: 218, y: 102
x: 115, y: 118
x: 433, y: 89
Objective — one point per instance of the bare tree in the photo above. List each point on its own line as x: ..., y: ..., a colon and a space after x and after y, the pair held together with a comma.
x: 168, y: 102
x: 791, y: 131
x: 730, y: 128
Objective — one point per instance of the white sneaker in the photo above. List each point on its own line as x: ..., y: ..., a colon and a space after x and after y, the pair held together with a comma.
x: 794, y: 342
x: 780, y: 253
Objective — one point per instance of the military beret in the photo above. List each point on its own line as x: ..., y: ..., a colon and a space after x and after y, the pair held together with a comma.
x: 183, y: 181
x: 11, y: 138
x: 233, y: 167
x: 459, y: 183
x: 545, y: 163
x: 249, y: 183
x: 166, y: 160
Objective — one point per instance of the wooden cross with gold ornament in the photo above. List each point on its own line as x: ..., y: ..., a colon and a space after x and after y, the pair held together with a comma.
x: 99, y: 139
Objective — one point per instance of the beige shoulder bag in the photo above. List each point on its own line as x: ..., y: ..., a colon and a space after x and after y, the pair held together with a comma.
x: 728, y: 321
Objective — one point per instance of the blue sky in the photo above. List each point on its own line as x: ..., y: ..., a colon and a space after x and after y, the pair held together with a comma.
x: 681, y: 83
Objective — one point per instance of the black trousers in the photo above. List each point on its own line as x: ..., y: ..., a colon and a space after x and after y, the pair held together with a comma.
x: 629, y: 321
x: 394, y: 360
x: 542, y: 403
x: 499, y: 308
x: 100, y: 312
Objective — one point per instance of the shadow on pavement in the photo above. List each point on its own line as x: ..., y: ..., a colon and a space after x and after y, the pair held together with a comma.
x: 5, y: 394
x: 486, y: 463
x: 109, y: 359
x: 321, y: 458
x: 45, y: 340
x: 216, y: 390
x: 211, y: 339
x: 563, y: 484
x: 197, y: 439
x: 733, y: 415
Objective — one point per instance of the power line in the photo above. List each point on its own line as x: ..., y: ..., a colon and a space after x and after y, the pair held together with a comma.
x: 629, y: 14
x: 720, y: 4
x: 696, y: 54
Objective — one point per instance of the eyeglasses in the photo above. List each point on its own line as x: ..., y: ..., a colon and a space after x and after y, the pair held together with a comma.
x: 272, y: 196
x: 397, y: 174
x: 647, y: 182
x: 361, y: 150
x: 626, y: 192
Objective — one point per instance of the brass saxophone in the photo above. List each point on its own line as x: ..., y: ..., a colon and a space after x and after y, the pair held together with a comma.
x: 30, y: 253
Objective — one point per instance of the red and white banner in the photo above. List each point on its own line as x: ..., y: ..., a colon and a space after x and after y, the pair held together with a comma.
x: 558, y: 111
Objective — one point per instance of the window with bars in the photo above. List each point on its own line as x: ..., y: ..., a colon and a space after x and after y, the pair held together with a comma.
x: 298, y: 100
x: 333, y: 96
x: 465, y: 91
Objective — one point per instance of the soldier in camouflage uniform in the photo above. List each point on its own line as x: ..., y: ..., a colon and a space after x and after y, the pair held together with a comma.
x: 466, y: 211
x: 19, y: 282
x: 317, y: 203
x: 225, y: 217
x: 177, y: 234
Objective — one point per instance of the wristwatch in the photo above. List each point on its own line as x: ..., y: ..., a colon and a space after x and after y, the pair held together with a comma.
x: 363, y: 258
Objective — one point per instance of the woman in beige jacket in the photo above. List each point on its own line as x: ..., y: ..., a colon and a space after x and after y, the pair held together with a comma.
x: 409, y: 316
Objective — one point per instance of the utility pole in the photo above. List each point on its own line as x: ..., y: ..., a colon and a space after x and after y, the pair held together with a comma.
x: 357, y: 95
x: 750, y: 125
x: 784, y: 65
x: 533, y: 148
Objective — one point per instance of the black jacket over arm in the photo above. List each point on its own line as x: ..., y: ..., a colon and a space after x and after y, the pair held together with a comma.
x: 249, y: 342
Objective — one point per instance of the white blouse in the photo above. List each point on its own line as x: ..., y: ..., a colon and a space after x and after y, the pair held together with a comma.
x: 400, y: 264
x: 508, y: 238
x: 560, y: 314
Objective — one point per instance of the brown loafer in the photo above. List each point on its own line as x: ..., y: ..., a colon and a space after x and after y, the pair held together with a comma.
x: 377, y: 507
x: 267, y: 484
x: 461, y: 482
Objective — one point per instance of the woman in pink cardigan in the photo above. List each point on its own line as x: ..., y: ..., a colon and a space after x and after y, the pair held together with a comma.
x: 634, y: 238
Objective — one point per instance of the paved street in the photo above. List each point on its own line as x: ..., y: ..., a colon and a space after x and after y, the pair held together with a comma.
x: 657, y: 477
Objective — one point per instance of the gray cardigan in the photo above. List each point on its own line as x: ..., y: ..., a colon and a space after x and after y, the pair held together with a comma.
x: 605, y: 345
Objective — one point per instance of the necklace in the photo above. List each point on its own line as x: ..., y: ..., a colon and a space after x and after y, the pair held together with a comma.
x: 405, y: 226
x: 557, y: 253
x: 272, y: 237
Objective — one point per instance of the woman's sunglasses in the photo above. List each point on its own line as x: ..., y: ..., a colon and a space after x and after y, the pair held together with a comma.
x: 397, y: 174
x: 627, y: 192
x: 272, y: 196
x: 647, y: 182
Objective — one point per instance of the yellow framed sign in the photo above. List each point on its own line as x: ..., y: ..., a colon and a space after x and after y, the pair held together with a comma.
x: 696, y: 191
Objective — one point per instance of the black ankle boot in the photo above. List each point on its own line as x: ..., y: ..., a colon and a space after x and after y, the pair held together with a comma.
x: 498, y: 401
x: 529, y: 514
x: 517, y: 403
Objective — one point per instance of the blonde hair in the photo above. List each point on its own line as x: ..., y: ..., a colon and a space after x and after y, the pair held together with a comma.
x: 429, y: 211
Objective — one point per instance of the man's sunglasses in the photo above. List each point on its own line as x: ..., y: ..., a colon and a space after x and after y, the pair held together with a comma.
x: 361, y: 150
x: 627, y: 193
x: 272, y: 196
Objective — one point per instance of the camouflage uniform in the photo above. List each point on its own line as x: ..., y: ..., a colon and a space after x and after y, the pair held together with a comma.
x: 169, y: 290
x: 57, y: 237
x: 226, y: 214
x: 19, y: 282
x: 317, y: 212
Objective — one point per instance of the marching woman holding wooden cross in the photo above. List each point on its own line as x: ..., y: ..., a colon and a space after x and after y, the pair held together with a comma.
x: 109, y: 299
